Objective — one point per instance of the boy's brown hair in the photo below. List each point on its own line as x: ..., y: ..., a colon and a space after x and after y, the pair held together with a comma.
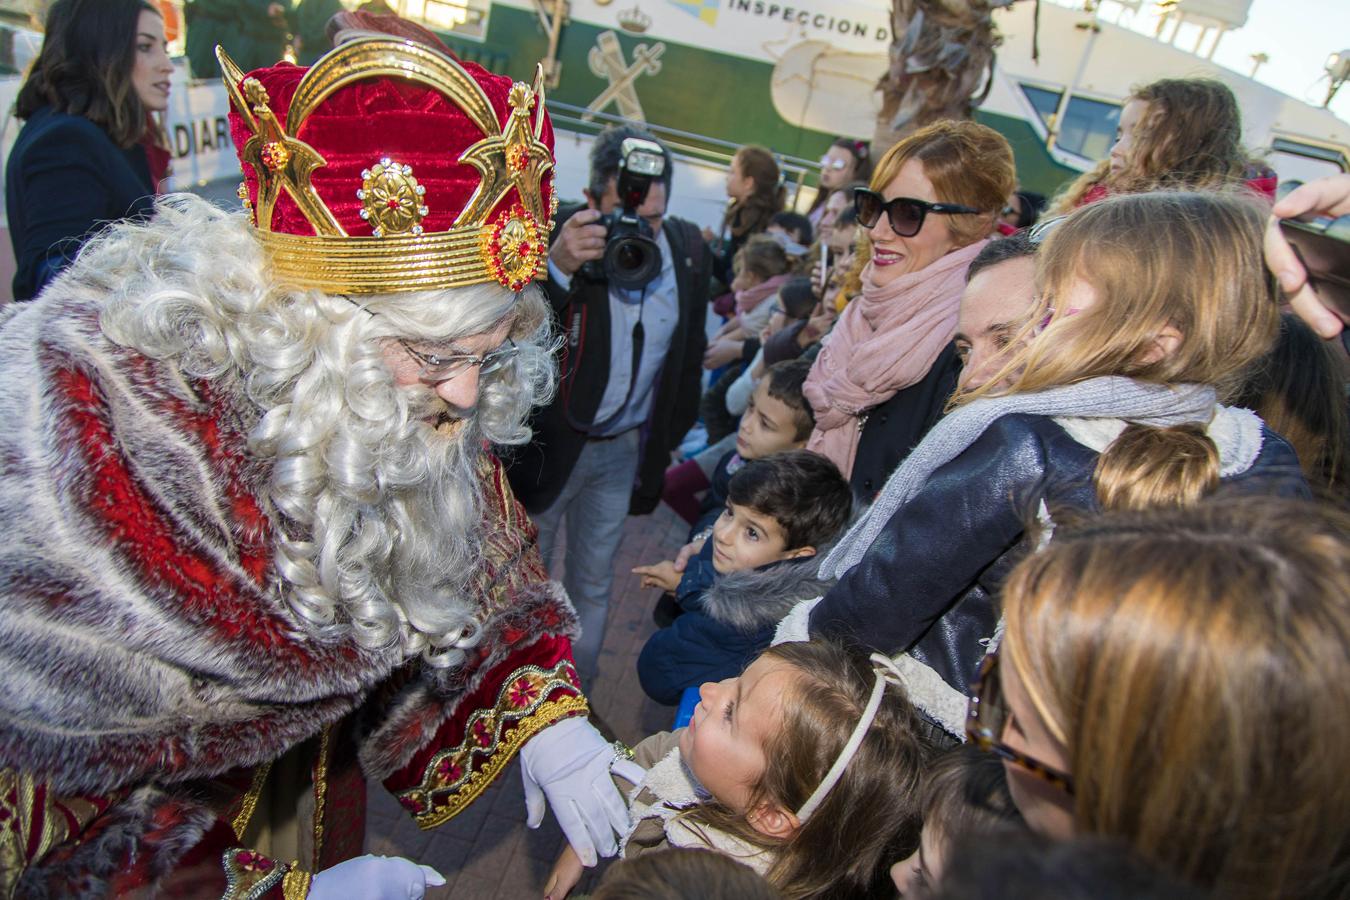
x: 785, y: 380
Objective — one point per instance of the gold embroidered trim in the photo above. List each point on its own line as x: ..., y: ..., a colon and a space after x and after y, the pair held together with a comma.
x: 295, y: 886
x: 479, y: 781
x: 240, y: 821
x: 450, y: 781
x: 321, y: 790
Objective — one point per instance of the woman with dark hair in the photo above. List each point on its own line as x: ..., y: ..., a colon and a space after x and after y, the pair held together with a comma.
x: 755, y: 188
x: 91, y: 151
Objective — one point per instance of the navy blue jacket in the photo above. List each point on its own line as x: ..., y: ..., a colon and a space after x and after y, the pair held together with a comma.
x: 728, y: 620
x: 928, y: 583
x: 65, y: 179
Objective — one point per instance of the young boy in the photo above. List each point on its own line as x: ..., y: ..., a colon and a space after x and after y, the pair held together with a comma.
x: 778, y: 417
x: 757, y: 563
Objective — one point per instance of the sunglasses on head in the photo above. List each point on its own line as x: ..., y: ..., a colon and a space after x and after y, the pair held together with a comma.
x: 906, y: 214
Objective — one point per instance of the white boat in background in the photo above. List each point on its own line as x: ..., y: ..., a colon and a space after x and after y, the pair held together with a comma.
x: 710, y: 75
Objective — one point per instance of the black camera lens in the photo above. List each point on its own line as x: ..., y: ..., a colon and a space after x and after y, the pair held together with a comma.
x: 632, y: 261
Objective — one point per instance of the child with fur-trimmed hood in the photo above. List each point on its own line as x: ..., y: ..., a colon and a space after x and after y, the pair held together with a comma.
x: 758, y: 562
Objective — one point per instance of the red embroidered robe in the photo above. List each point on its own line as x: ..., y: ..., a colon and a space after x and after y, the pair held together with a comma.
x: 152, y: 672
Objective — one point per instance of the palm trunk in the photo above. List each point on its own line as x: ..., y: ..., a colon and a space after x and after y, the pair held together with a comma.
x: 942, y: 54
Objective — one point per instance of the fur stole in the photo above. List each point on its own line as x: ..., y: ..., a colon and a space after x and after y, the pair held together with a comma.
x: 755, y: 599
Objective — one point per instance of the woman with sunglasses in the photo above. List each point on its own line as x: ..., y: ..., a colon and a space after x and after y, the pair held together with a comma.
x: 1151, y: 308
x: 888, y: 367
x: 846, y: 161
x: 1179, y: 681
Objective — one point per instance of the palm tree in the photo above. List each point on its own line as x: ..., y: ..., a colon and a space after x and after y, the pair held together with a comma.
x: 942, y: 55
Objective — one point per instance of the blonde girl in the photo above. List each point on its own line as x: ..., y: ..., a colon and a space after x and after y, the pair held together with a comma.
x: 1151, y: 306
x: 805, y: 768
x: 1178, y: 680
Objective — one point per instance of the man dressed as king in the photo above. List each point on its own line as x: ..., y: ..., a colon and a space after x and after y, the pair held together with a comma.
x: 257, y: 548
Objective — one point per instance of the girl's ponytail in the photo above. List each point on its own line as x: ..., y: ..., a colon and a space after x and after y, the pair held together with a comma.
x: 1149, y: 467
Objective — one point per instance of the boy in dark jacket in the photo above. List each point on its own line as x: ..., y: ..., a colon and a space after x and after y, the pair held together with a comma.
x: 778, y: 418
x: 754, y: 567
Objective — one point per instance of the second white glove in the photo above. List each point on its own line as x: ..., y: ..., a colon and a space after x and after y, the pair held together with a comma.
x: 374, y: 878
x: 568, y: 765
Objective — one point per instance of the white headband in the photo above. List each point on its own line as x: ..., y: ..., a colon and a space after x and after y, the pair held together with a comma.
x: 886, y: 671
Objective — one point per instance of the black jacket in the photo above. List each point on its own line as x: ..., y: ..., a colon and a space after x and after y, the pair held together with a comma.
x: 539, y: 470
x: 65, y: 179
x: 895, y: 426
x: 927, y: 583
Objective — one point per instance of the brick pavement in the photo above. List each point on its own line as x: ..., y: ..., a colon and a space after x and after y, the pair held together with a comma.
x: 487, y: 853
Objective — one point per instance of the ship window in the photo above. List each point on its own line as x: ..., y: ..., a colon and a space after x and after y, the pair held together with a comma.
x: 1089, y: 127
x: 461, y: 18
x: 1044, y: 101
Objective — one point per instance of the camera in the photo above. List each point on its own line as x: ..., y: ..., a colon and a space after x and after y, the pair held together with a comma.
x: 632, y: 259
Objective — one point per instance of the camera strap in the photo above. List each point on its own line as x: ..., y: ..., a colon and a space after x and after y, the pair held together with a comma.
x: 639, y: 336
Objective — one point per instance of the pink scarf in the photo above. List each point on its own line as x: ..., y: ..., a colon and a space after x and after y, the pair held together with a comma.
x: 751, y: 297
x: 886, y: 340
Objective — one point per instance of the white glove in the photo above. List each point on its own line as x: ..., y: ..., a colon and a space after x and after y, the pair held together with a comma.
x: 374, y: 878
x: 569, y: 763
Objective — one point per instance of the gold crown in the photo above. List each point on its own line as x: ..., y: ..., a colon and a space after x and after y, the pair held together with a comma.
x: 400, y: 254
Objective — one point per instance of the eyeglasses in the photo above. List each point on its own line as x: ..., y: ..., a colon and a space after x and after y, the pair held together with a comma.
x: 988, y: 715
x: 436, y: 369
x: 905, y: 213
x: 838, y: 165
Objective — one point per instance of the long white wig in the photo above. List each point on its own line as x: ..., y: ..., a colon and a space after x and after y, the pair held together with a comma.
x: 377, y: 514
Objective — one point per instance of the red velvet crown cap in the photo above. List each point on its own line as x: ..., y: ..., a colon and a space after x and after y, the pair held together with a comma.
x: 383, y: 117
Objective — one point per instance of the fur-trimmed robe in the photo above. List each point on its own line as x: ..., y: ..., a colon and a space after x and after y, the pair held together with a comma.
x: 150, y: 667
x: 728, y: 620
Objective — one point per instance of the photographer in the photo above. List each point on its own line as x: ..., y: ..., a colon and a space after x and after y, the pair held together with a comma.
x: 633, y: 340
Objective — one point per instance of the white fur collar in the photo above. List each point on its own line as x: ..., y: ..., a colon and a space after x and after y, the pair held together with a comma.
x: 673, y: 790
x: 1235, y: 431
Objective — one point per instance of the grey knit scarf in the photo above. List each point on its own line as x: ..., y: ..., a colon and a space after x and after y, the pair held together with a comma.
x: 1108, y: 397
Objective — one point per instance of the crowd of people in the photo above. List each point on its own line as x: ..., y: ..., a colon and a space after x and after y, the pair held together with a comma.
x: 1019, y: 549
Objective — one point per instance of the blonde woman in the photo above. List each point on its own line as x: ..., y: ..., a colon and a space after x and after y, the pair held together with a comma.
x: 1151, y: 307
x: 1179, y: 681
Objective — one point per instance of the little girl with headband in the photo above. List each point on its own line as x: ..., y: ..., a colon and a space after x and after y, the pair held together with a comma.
x: 806, y: 768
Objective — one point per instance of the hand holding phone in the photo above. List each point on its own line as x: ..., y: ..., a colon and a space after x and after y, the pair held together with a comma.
x: 1323, y: 247
x: 1329, y: 197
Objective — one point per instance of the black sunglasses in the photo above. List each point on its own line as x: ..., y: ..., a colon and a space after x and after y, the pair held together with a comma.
x: 905, y: 213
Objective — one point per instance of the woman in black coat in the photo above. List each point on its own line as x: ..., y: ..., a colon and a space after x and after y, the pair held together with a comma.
x: 90, y: 151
